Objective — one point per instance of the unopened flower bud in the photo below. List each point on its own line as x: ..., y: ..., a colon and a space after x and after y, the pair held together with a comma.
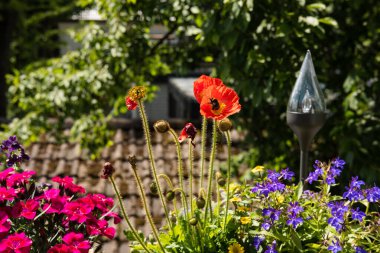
x: 173, y: 218
x: 107, y: 171
x: 132, y: 160
x: 225, y: 125
x: 161, y: 126
x: 153, y: 188
x: 193, y: 221
x: 221, y: 181
x: 170, y: 195
x: 201, y: 202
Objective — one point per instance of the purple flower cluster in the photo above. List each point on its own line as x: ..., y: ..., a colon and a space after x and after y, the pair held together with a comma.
x: 273, y: 182
x: 294, y: 211
x: 14, y: 152
x: 257, y: 240
x: 372, y: 194
x: 271, y: 248
x: 335, y: 247
x: 356, y: 214
x: 271, y: 215
x: 338, y: 210
x: 360, y: 250
x: 334, y: 170
x: 354, y: 192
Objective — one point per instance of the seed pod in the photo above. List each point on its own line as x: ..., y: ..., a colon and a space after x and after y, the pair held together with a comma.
x: 221, y: 181
x: 193, y: 221
x: 225, y: 125
x: 170, y: 195
x: 161, y: 126
x: 201, y: 202
x: 153, y: 188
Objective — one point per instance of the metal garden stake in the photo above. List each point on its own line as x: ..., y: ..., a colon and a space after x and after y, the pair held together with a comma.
x: 306, y: 112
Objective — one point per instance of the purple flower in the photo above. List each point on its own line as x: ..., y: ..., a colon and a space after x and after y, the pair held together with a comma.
x: 294, y: 221
x: 373, y: 194
x: 314, y: 175
x: 287, y: 174
x: 356, y: 214
x: 294, y: 207
x: 268, y: 186
x: 266, y: 225
x: 257, y: 240
x: 271, y: 248
x: 273, y: 175
x: 338, y: 210
x: 272, y: 213
x: 354, y: 192
x: 337, y: 162
x: 14, y: 152
x: 360, y: 250
x: 335, y: 247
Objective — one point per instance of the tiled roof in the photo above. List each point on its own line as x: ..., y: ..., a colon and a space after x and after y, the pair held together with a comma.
x: 51, y: 159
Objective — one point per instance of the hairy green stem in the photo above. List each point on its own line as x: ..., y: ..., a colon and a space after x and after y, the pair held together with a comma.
x: 146, y: 208
x: 191, y: 158
x: 151, y: 159
x: 203, y: 148
x: 125, y: 216
x: 228, y: 138
x: 169, y: 182
x: 210, y: 172
x: 180, y: 168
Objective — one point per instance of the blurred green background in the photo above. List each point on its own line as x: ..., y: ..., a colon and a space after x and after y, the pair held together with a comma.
x: 255, y: 46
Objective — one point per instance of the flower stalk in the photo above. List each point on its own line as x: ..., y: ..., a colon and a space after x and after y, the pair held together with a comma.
x: 228, y: 138
x: 132, y: 161
x: 211, y: 173
x: 191, y: 158
x: 180, y: 167
x: 203, y: 148
x: 151, y: 159
x: 125, y: 216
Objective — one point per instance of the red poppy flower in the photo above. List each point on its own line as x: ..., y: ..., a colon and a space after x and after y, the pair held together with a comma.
x: 202, y: 83
x: 189, y: 131
x: 219, y: 102
x: 131, y: 105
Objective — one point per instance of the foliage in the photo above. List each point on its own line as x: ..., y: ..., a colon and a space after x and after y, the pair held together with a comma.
x: 256, y: 46
x: 42, y: 218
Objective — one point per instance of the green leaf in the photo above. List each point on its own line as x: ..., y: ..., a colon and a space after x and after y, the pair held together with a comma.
x: 316, y: 6
x: 329, y: 21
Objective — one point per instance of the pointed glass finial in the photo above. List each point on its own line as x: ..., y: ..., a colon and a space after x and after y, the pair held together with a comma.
x: 307, y: 96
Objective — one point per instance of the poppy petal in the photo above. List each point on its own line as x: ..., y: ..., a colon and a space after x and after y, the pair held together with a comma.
x: 202, y: 83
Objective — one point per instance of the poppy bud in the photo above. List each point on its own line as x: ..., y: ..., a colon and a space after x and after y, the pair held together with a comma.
x: 193, y: 221
x: 132, y: 160
x: 170, y: 195
x: 173, y: 218
x: 225, y: 125
x: 189, y: 131
x: 221, y: 181
x: 201, y: 202
x: 161, y: 126
x: 107, y: 171
x: 153, y: 188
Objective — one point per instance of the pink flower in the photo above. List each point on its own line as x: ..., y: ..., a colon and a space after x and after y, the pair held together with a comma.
x: 77, y: 211
x: 29, y: 209
x: 101, y: 202
x: 100, y: 227
x: 67, y: 184
x: 16, y: 243
x: 5, y: 225
x: 60, y: 248
x: 55, y: 205
x: 76, y: 240
x: 189, y: 131
x: 5, y: 174
x: 18, y: 179
x: 7, y: 194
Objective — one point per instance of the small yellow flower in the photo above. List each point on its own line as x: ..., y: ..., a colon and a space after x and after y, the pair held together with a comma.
x: 258, y: 169
x: 280, y: 198
x: 243, y: 208
x: 245, y: 220
x: 235, y: 248
x: 136, y: 93
x: 235, y: 199
x: 234, y: 187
